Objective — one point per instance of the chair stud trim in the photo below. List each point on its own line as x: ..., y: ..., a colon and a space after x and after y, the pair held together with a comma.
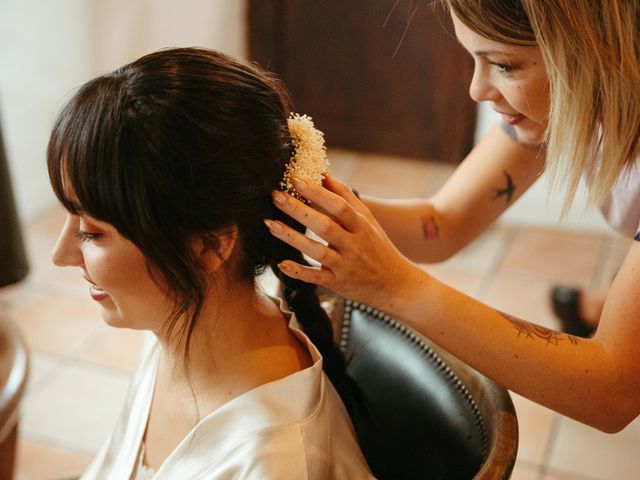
x: 350, y: 305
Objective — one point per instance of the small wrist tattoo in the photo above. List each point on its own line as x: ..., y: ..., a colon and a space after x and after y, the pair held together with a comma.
x: 430, y: 228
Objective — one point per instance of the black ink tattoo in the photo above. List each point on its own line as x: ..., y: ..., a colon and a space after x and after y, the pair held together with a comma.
x: 506, y: 191
x: 573, y: 339
x: 430, y: 228
x: 533, y: 331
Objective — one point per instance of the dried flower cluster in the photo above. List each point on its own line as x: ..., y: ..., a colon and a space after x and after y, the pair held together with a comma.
x: 309, y: 160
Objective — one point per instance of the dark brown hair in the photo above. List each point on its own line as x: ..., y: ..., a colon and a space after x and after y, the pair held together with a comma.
x: 186, y: 142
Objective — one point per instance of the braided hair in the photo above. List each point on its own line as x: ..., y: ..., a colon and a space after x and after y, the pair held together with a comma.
x: 303, y: 300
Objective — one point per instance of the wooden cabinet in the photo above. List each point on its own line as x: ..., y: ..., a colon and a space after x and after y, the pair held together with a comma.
x: 374, y: 76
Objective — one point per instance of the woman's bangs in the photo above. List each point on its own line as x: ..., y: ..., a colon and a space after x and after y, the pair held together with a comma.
x: 82, y: 156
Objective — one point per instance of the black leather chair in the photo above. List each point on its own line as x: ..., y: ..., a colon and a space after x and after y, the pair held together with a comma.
x: 419, y: 412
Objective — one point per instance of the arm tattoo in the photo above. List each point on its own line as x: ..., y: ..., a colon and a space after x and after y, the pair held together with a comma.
x: 430, y: 228
x: 533, y: 331
x: 507, y: 191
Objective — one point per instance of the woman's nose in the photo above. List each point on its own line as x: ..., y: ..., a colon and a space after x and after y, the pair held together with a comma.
x: 481, y: 88
x: 67, y: 251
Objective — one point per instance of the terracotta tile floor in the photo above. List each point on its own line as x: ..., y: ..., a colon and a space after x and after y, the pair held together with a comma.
x: 81, y: 368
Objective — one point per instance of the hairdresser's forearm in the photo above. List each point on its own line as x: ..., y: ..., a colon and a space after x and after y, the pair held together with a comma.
x: 419, y: 231
x: 576, y: 377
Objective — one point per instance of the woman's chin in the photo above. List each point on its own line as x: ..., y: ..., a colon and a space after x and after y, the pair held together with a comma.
x: 118, y: 320
x: 530, y: 135
x: 114, y: 318
x: 115, y: 321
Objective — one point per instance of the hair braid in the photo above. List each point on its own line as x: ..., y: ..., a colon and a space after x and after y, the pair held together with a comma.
x: 303, y: 301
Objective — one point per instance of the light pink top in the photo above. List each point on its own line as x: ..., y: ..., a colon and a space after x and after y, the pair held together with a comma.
x: 622, y: 207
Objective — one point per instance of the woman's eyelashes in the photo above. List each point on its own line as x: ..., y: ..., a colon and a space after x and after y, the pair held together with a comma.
x: 86, y: 236
x: 503, y: 67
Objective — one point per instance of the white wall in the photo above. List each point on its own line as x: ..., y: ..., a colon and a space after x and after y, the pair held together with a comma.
x: 50, y: 47
x: 537, y: 206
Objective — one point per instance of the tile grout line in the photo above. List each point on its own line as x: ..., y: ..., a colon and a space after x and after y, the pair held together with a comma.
x: 53, y: 442
x: 604, y: 254
x: 546, y: 457
x: 487, y: 277
x: 63, y: 363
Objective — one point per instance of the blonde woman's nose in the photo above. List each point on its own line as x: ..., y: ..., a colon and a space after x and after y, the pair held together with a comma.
x: 481, y: 88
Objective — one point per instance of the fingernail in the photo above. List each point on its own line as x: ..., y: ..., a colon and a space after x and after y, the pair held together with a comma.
x: 278, y: 197
x: 284, y: 267
x: 301, y: 185
x: 275, y: 227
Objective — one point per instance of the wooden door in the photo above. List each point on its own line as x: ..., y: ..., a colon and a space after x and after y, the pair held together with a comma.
x: 375, y: 78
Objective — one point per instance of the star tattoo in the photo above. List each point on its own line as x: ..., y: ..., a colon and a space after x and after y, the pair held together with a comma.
x: 506, y: 191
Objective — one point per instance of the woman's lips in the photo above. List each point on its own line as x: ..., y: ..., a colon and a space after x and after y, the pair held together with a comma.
x: 97, y: 293
x: 513, y: 119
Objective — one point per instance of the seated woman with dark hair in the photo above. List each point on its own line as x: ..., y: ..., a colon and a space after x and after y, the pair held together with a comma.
x: 166, y: 168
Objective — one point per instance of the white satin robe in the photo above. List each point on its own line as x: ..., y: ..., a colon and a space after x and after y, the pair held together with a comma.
x: 293, y: 428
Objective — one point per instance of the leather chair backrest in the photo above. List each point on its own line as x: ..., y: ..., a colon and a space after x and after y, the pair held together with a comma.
x: 414, y: 415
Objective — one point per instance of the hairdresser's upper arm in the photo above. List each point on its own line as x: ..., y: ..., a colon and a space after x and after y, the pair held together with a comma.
x: 493, y: 176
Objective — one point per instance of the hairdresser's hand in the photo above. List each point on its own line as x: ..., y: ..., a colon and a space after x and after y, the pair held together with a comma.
x: 360, y: 261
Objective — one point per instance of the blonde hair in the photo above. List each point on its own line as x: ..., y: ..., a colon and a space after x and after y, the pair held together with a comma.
x: 591, y: 51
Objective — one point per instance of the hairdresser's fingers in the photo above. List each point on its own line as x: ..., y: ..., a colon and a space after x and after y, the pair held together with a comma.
x: 332, y: 185
x: 316, y: 275
x: 327, y: 228
x: 314, y: 249
x: 341, y: 189
x: 374, y: 283
x: 364, y: 266
x: 336, y: 206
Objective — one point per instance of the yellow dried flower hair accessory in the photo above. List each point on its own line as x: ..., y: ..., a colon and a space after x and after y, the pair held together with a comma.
x: 309, y: 160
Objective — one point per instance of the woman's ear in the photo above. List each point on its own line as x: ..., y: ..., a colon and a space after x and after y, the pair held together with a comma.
x: 214, y: 248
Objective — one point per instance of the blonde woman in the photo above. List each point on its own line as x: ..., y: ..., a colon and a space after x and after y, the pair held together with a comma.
x: 565, y: 76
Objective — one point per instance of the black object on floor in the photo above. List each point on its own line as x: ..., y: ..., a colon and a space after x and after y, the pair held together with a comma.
x: 566, y: 305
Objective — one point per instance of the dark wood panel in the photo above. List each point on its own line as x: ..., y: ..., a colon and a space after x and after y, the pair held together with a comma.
x: 337, y: 59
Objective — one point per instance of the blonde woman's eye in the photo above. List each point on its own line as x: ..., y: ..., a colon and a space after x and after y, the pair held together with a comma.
x: 503, y: 67
x: 86, y: 236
